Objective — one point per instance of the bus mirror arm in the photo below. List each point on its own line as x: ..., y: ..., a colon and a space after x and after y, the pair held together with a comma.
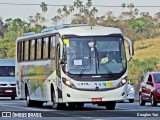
x: 62, y: 61
x: 131, y: 47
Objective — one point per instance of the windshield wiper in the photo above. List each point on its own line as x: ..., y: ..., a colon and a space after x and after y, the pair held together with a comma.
x: 108, y: 70
x: 85, y: 66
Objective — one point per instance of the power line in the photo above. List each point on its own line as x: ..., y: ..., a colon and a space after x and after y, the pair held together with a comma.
x: 70, y: 5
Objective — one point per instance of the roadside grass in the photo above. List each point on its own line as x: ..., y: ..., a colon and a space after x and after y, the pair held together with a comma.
x: 147, y: 49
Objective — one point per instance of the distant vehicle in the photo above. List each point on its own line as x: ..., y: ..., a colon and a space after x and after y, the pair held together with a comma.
x: 62, y: 65
x: 7, y: 78
x: 150, y: 89
x: 130, y: 93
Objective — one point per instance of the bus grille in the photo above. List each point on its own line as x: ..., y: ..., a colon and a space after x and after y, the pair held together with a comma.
x: 3, y: 84
x: 13, y: 84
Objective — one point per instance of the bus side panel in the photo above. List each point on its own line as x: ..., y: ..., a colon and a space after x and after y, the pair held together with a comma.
x: 38, y: 77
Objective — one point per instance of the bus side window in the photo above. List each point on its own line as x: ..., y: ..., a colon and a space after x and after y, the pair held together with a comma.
x: 52, y: 47
x: 32, y: 49
x: 22, y: 50
x: 45, y: 47
x: 39, y: 48
x: 26, y: 50
x: 19, y: 52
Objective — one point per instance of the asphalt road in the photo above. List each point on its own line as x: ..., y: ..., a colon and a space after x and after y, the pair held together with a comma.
x: 20, y: 111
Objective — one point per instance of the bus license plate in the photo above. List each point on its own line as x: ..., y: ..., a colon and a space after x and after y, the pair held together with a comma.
x: 8, y: 91
x: 96, y: 99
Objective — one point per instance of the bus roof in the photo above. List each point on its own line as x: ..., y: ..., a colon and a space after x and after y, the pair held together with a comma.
x: 7, y: 62
x: 90, y: 31
x: 84, y: 30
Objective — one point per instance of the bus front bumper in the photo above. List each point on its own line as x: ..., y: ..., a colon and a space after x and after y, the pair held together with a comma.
x: 73, y: 95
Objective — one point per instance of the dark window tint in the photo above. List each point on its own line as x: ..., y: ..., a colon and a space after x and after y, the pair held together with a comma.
x: 32, y: 49
x: 22, y: 51
x: 150, y: 78
x: 52, y: 47
x: 157, y: 78
x: 19, y: 51
x: 45, y: 47
x: 26, y: 54
x: 39, y: 49
x: 6, y: 71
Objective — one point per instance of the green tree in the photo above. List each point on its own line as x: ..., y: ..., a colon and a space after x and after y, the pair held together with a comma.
x: 123, y: 5
x: 44, y: 7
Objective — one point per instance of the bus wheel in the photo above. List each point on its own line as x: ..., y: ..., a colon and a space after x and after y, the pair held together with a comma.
x: 111, y: 105
x: 12, y: 98
x: 30, y: 103
x: 55, y: 105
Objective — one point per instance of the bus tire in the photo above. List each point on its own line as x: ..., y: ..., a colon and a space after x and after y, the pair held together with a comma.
x: 30, y: 103
x: 111, y: 105
x: 55, y: 105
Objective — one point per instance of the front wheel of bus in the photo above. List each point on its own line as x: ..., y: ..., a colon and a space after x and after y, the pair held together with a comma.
x: 111, y: 105
x: 55, y: 105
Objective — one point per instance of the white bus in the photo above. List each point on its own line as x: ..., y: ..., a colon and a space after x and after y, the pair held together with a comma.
x: 66, y: 65
x: 7, y: 78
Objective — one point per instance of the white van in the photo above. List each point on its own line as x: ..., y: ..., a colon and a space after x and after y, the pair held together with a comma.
x: 7, y: 78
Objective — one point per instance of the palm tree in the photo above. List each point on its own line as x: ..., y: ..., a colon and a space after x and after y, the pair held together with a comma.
x: 94, y: 11
x: 65, y: 12
x: 56, y: 19
x: 89, y: 3
x: 78, y: 4
x: 136, y: 11
x: 59, y: 11
x: 43, y: 7
x: 130, y: 6
x: 71, y: 9
x: 123, y: 5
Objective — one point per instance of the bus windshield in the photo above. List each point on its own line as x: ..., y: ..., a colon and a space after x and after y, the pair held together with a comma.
x: 94, y: 55
x: 7, y: 71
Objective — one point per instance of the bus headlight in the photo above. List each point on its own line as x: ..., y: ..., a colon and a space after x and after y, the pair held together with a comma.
x: 68, y: 83
x: 123, y: 81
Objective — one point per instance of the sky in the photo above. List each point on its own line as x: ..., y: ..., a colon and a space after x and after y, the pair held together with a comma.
x: 23, y: 12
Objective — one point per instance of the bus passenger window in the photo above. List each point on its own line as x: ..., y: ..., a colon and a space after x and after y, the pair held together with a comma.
x: 52, y: 47
x: 45, y: 48
x: 39, y: 43
x: 32, y: 49
x: 19, y: 51
x: 26, y: 50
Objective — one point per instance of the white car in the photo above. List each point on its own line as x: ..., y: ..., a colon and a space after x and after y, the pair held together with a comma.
x: 130, y: 93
